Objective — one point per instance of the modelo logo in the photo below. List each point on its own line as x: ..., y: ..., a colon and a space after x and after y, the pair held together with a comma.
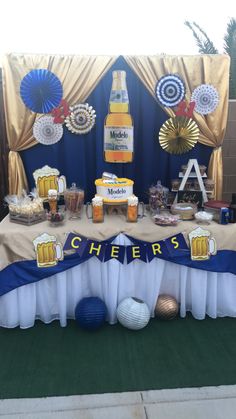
x: 116, y: 191
x: 118, y: 135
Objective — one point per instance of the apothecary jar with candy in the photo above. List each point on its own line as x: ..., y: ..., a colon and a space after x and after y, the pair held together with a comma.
x: 74, y: 201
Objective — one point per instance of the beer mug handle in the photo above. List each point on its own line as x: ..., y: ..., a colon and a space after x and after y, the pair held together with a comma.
x: 89, y: 205
x: 141, y: 204
x: 212, y: 246
x: 59, y: 251
x: 61, y: 184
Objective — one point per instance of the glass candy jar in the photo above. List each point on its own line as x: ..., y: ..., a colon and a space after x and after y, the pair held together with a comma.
x: 74, y: 201
x: 158, y: 196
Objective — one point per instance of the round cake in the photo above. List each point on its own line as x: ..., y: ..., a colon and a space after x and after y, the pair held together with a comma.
x: 114, y: 190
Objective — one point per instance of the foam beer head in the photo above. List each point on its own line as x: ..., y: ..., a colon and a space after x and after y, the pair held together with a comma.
x: 97, y: 201
x: 52, y: 193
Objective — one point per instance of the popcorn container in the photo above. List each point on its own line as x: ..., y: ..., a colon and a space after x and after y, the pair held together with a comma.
x: 202, y: 169
x: 175, y: 183
x: 209, y: 185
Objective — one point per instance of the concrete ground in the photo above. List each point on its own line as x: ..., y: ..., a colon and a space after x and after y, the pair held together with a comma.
x: 187, y: 403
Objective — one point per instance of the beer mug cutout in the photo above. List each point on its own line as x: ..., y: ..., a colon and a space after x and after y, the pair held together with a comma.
x: 201, y: 244
x: 48, y: 250
x: 48, y: 178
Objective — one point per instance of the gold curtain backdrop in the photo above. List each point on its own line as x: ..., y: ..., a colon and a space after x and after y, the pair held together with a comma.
x: 79, y: 75
x: 194, y: 70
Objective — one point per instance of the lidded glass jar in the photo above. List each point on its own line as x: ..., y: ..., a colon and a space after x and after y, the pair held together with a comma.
x: 209, y: 184
x: 74, y: 201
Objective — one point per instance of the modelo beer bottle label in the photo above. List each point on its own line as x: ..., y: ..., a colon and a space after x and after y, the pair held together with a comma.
x: 117, y: 96
x: 118, y: 126
x: 118, y: 138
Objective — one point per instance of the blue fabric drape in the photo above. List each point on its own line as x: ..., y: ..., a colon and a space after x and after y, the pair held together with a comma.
x: 80, y: 157
x: 26, y: 272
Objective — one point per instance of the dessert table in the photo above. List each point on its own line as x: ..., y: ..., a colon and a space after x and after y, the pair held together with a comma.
x: 29, y: 293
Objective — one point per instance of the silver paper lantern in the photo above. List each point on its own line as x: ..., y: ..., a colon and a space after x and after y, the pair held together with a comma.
x: 133, y: 313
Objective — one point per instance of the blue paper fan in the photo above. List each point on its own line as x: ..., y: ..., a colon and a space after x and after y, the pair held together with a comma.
x: 41, y: 91
x: 170, y: 90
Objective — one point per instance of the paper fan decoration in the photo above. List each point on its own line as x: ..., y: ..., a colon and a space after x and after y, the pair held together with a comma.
x: 206, y: 99
x: 41, y: 91
x: 178, y: 135
x: 170, y: 90
x: 46, y: 132
x: 81, y: 119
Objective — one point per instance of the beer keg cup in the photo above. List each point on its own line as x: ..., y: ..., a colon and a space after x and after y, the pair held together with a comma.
x: 133, y: 206
x: 95, y: 210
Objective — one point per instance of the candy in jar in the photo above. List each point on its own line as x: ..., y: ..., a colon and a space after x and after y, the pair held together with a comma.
x: 74, y: 201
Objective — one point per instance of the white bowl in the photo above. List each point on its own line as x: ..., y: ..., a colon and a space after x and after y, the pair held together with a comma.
x: 204, y: 217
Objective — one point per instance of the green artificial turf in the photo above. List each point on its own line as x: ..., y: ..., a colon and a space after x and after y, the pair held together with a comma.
x: 48, y: 360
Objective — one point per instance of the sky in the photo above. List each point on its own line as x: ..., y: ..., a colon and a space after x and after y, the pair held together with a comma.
x: 110, y: 27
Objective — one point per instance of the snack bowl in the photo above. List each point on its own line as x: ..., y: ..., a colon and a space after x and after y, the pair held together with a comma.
x: 185, y: 210
x: 203, y: 217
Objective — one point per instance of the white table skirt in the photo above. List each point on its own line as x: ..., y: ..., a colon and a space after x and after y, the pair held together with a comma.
x: 200, y: 292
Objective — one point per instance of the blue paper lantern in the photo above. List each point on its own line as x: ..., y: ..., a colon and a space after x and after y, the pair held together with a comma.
x: 90, y: 313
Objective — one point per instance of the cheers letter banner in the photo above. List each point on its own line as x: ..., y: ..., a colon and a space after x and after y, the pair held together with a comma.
x: 145, y: 251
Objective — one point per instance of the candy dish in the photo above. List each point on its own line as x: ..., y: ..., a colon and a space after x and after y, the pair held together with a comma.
x: 56, y: 218
x: 166, y: 219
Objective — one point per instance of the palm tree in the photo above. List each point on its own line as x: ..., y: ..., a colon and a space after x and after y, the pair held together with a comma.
x: 206, y: 46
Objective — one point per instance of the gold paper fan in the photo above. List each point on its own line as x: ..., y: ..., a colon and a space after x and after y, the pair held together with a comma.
x: 178, y: 135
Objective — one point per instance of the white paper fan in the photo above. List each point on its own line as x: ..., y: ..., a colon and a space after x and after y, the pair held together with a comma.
x: 81, y: 119
x: 206, y: 99
x: 46, y: 132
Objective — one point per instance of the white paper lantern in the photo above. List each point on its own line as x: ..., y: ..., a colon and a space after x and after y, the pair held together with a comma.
x: 133, y: 313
